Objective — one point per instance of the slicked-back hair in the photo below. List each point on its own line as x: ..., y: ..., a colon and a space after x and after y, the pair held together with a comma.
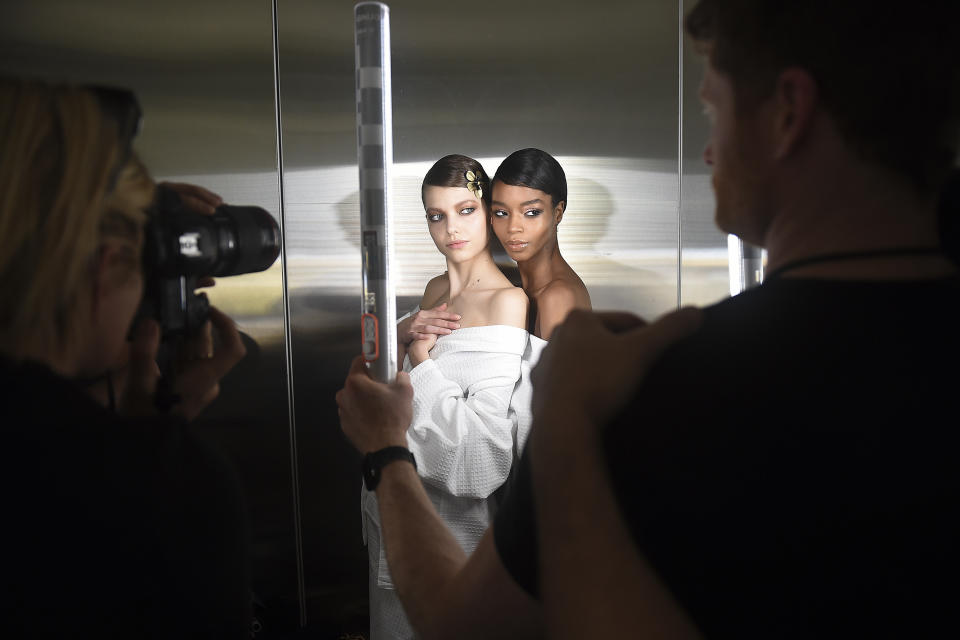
x: 535, y: 169
x: 888, y: 73
x: 451, y: 171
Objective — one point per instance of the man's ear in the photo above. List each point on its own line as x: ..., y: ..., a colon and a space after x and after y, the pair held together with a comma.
x: 796, y: 98
x: 558, y: 211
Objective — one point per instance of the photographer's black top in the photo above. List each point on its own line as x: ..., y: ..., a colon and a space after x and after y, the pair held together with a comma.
x: 790, y: 470
x: 114, y: 528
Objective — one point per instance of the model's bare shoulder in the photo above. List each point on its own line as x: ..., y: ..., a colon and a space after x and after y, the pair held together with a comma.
x: 556, y: 300
x: 509, y: 306
x: 435, y: 291
x: 560, y: 296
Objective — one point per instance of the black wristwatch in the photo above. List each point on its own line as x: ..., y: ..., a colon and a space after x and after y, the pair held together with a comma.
x: 374, y: 461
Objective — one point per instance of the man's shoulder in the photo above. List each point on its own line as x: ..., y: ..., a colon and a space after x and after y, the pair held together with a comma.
x: 784, y: 336
x: 720, y: 327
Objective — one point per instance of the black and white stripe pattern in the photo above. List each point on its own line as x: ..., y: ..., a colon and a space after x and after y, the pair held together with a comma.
x: 375, y: 157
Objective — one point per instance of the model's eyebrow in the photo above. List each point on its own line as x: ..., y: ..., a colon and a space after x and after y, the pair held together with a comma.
x: 522, y: 204
x: 465, y: 203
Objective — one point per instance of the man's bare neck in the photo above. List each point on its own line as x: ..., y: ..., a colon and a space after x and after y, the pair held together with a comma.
x: 882, y: 230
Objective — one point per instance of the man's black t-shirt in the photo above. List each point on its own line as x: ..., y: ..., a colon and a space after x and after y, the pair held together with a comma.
x: 790, y: 469
x: 114, y: 528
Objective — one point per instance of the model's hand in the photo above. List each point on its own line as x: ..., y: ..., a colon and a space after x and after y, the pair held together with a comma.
x: 373, y: 414
x: 428, y: 322
x: 419, y: 349
x: 594, y: 361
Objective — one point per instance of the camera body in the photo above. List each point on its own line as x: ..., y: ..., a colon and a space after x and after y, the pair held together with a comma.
x: 181, y: 246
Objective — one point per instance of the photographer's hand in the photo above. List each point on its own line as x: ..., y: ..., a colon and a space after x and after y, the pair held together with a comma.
x: 198, y: 200
x: 198, y: 346
x: 195, y: 197
x: 141, y: 373
x: 198, y: 380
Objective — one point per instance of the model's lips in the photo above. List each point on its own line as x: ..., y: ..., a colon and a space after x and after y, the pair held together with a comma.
x: 459, y: 244
x: 516, y: 245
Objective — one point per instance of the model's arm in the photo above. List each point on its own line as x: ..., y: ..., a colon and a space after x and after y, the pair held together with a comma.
x: 445, y: 594
x: 430, y: 318
x: 594, y: 581
x: 462, y: 436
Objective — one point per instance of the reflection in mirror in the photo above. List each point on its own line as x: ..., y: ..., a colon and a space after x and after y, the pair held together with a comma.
x: 596, y: 87
x: 204, y: 76
x: 463, y: 350
x: 618, y: 231
x: 529, y: 199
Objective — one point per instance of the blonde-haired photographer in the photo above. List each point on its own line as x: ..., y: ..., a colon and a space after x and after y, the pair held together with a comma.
x: 125, y: 523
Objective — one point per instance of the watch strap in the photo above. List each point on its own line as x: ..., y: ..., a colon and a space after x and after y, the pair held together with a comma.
x: 375, y: 461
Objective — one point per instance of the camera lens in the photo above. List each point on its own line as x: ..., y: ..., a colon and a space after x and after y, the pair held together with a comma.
x: 249, y: 239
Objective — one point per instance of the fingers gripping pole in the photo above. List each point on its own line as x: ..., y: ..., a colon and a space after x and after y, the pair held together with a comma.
x: 375, y: 158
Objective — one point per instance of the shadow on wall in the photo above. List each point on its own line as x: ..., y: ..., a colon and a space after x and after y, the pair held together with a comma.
x: 616, y: 278
x: 613, y: 282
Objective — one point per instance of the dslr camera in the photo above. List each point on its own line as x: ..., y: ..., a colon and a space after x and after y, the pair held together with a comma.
x: 181, y: 246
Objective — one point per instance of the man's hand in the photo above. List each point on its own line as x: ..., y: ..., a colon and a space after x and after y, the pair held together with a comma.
x: 595, y: 581
x: 428, y: 322
x: 373, y: 414
x: 595, y: 360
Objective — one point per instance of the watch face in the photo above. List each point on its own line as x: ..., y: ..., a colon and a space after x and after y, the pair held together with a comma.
x: 371, y: 473
x: 370, y: 478
x: 375, y: 461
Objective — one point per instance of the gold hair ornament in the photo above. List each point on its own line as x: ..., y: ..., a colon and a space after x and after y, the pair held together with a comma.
x: 475, y: 181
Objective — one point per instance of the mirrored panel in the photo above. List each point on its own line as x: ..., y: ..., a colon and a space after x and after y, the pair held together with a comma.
x: 594, y: 85
x: 203, y: 73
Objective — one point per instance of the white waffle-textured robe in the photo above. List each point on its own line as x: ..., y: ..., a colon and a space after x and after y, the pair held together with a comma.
x: 465, y: 435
